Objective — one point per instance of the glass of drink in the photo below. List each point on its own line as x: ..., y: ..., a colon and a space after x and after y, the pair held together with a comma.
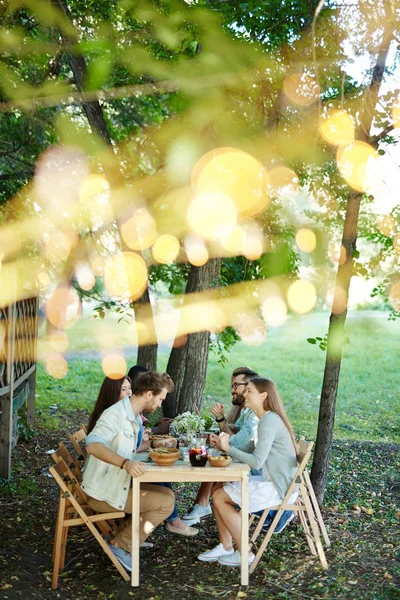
x: 198, y: 452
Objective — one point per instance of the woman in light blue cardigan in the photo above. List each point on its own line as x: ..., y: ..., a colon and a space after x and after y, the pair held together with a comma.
x: 274, y: 453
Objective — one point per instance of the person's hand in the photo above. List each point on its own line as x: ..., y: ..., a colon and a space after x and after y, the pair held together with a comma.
x: 218, y: 411
x: 214, y: 441
x: 132, y: 467
x: 145, y: 436
x: 224, y: 442
x: 162, y: 426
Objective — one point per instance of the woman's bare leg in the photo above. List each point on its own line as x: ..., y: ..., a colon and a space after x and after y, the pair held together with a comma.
x: 204, y: 493
x: 227, y: 517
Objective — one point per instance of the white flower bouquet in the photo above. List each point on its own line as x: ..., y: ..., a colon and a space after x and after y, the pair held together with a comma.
x: 188, y: 424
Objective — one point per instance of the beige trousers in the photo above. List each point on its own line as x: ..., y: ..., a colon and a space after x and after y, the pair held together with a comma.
x: 156, y: 504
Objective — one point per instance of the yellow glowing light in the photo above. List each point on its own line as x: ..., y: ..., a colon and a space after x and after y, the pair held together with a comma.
x: 56, y: 366
x: 394, y: 295
x: 141, y: 331
x: 306, y: 240
x: 140, y: 231
x: 338, y: 128
x: 281, y: 177
x: 97, y: 266
x: 92, y: 186
x: 43, y: 279
x: 211, y: 215
x: 302, y: 296
x: 234, y: 241
x: 339, y: 301
x: 274, y: 311
x: 354, y: 163
x: 63, y: 308
x: 253, y: 242
x: 58, y: 247
x: 166, y: 249
x: 252, y: 330
x: 396, y: 115
x: 94, y: 195
x: 387, y: 225
x: 396, y: 243
x: 125, y: 275
x: 235, y: 174
x: 301, y: 89
x: 114, y: 366
x: 85, y: 277
x: 59, y: 341
x: 196, y: 251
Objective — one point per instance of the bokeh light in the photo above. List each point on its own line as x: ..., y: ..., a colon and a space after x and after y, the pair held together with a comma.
x: 140, y: 231
x: 396, y: 243
x: 125, y: 275
x: 43, y: 279
x: 387, y: 225
x: 114, y: 366
x: 85, y: 277
x: 301, y: 89
x: 58, y: 341
x: 97, y: 266
x: 355, y: 163
x: 233, y: 241
x: 338, y: 128
x: 302, y: 296
x: 306, y: 240
x: 252, y: 330
x: 339, y: 301
x: 281, y: 177
x: 59, y: 246
x: 166, y: 249
x: 56, y: 366
x: 396, y: 115
x: 196, y: 250
x: 274, y: 311
x: 94, y: 199
x: 253, y: 242
x: 212, y: 215
x: 63, y: 308
x: 235, y: 174
x: 394, y: 295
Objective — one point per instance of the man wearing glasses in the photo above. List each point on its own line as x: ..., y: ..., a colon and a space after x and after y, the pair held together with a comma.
x: 240, y: 423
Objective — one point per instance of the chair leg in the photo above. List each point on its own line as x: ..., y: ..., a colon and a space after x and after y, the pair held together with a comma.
x: 316, y: 508
x: 314, y: 525
x: 57, y: 544
x: 307, y: 532
x: 266, y: 539
x: 64, y: 539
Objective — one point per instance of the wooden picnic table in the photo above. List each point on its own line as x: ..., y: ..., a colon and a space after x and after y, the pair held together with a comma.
x: 183, y: 471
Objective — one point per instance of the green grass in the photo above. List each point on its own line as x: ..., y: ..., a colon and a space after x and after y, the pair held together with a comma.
x: 368, y: 401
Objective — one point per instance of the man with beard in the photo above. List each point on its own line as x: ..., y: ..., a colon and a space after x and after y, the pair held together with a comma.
x: 240, y: 423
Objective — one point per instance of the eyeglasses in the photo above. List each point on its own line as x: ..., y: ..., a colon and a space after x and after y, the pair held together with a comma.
x: 235, y: 386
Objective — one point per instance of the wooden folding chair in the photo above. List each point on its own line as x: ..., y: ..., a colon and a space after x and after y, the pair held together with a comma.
x: 306, y: 507
x: 76, y: 440
x: 73, y: 510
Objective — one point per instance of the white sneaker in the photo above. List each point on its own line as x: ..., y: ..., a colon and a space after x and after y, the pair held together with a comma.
x: 197, y: 513
x: 233, y: 559
x: 214, y: 554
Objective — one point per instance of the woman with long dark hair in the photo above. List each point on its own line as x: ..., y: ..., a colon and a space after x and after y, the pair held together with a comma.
x: 274, y: 453
x: 111, y: 391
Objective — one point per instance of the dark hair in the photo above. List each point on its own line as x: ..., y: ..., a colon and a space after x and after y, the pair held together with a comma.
x: 273, y: 403
x: 109, y: 394
x: 135, y: 372
x: 244, y: 371
x: 152, y: 382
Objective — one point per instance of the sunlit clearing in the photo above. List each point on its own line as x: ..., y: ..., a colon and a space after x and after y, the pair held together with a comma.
x: 140, y: 231
x: 394, y: 296
x: 339, y: 301
x: 59, y: 246
x: 281, y: 177
x: 235, y: 174
x: 338, y: 128
x: 302, y: 296
x: 387, y: 225
x: 166, y: 249
x: 212, y: 215
x: 114, y: 366
x: 306, y: 240
x: 396, y: 243
x: 94, y: 197
x: 196, y: 250
x: 396, y: 115
x: 58, y: 174
x: 125, y: 275
x: 63, y: 308
x: 56, y: 366
x: 85, y: 277
x: 252, y: 330
x: 97, y: 266
x: 355, y: 163
x: 253, y: 242
x: 43, y: 279
x: 301, y: 89
x: 58, y: 341
x: 274, y: 311
x: 233, y: 241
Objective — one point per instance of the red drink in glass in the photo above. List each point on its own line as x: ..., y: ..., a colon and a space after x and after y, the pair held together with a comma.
x: 198, y: 456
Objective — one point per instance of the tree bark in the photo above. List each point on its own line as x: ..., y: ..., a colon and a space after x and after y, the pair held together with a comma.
x: 187, y: 364
x: 337, y: 320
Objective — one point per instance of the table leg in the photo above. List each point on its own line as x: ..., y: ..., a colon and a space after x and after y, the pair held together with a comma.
x: 135, y: 530
x: 244, y: 569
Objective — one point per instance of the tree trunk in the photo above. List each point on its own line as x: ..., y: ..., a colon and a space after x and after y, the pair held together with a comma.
x: 147, y: 353
x: 337, y: 320
x: 187, y: 364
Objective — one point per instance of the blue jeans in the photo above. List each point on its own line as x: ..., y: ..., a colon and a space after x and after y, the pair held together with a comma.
x: 174, y: 515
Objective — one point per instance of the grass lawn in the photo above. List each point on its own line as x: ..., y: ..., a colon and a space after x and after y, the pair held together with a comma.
x: 368, y: 403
